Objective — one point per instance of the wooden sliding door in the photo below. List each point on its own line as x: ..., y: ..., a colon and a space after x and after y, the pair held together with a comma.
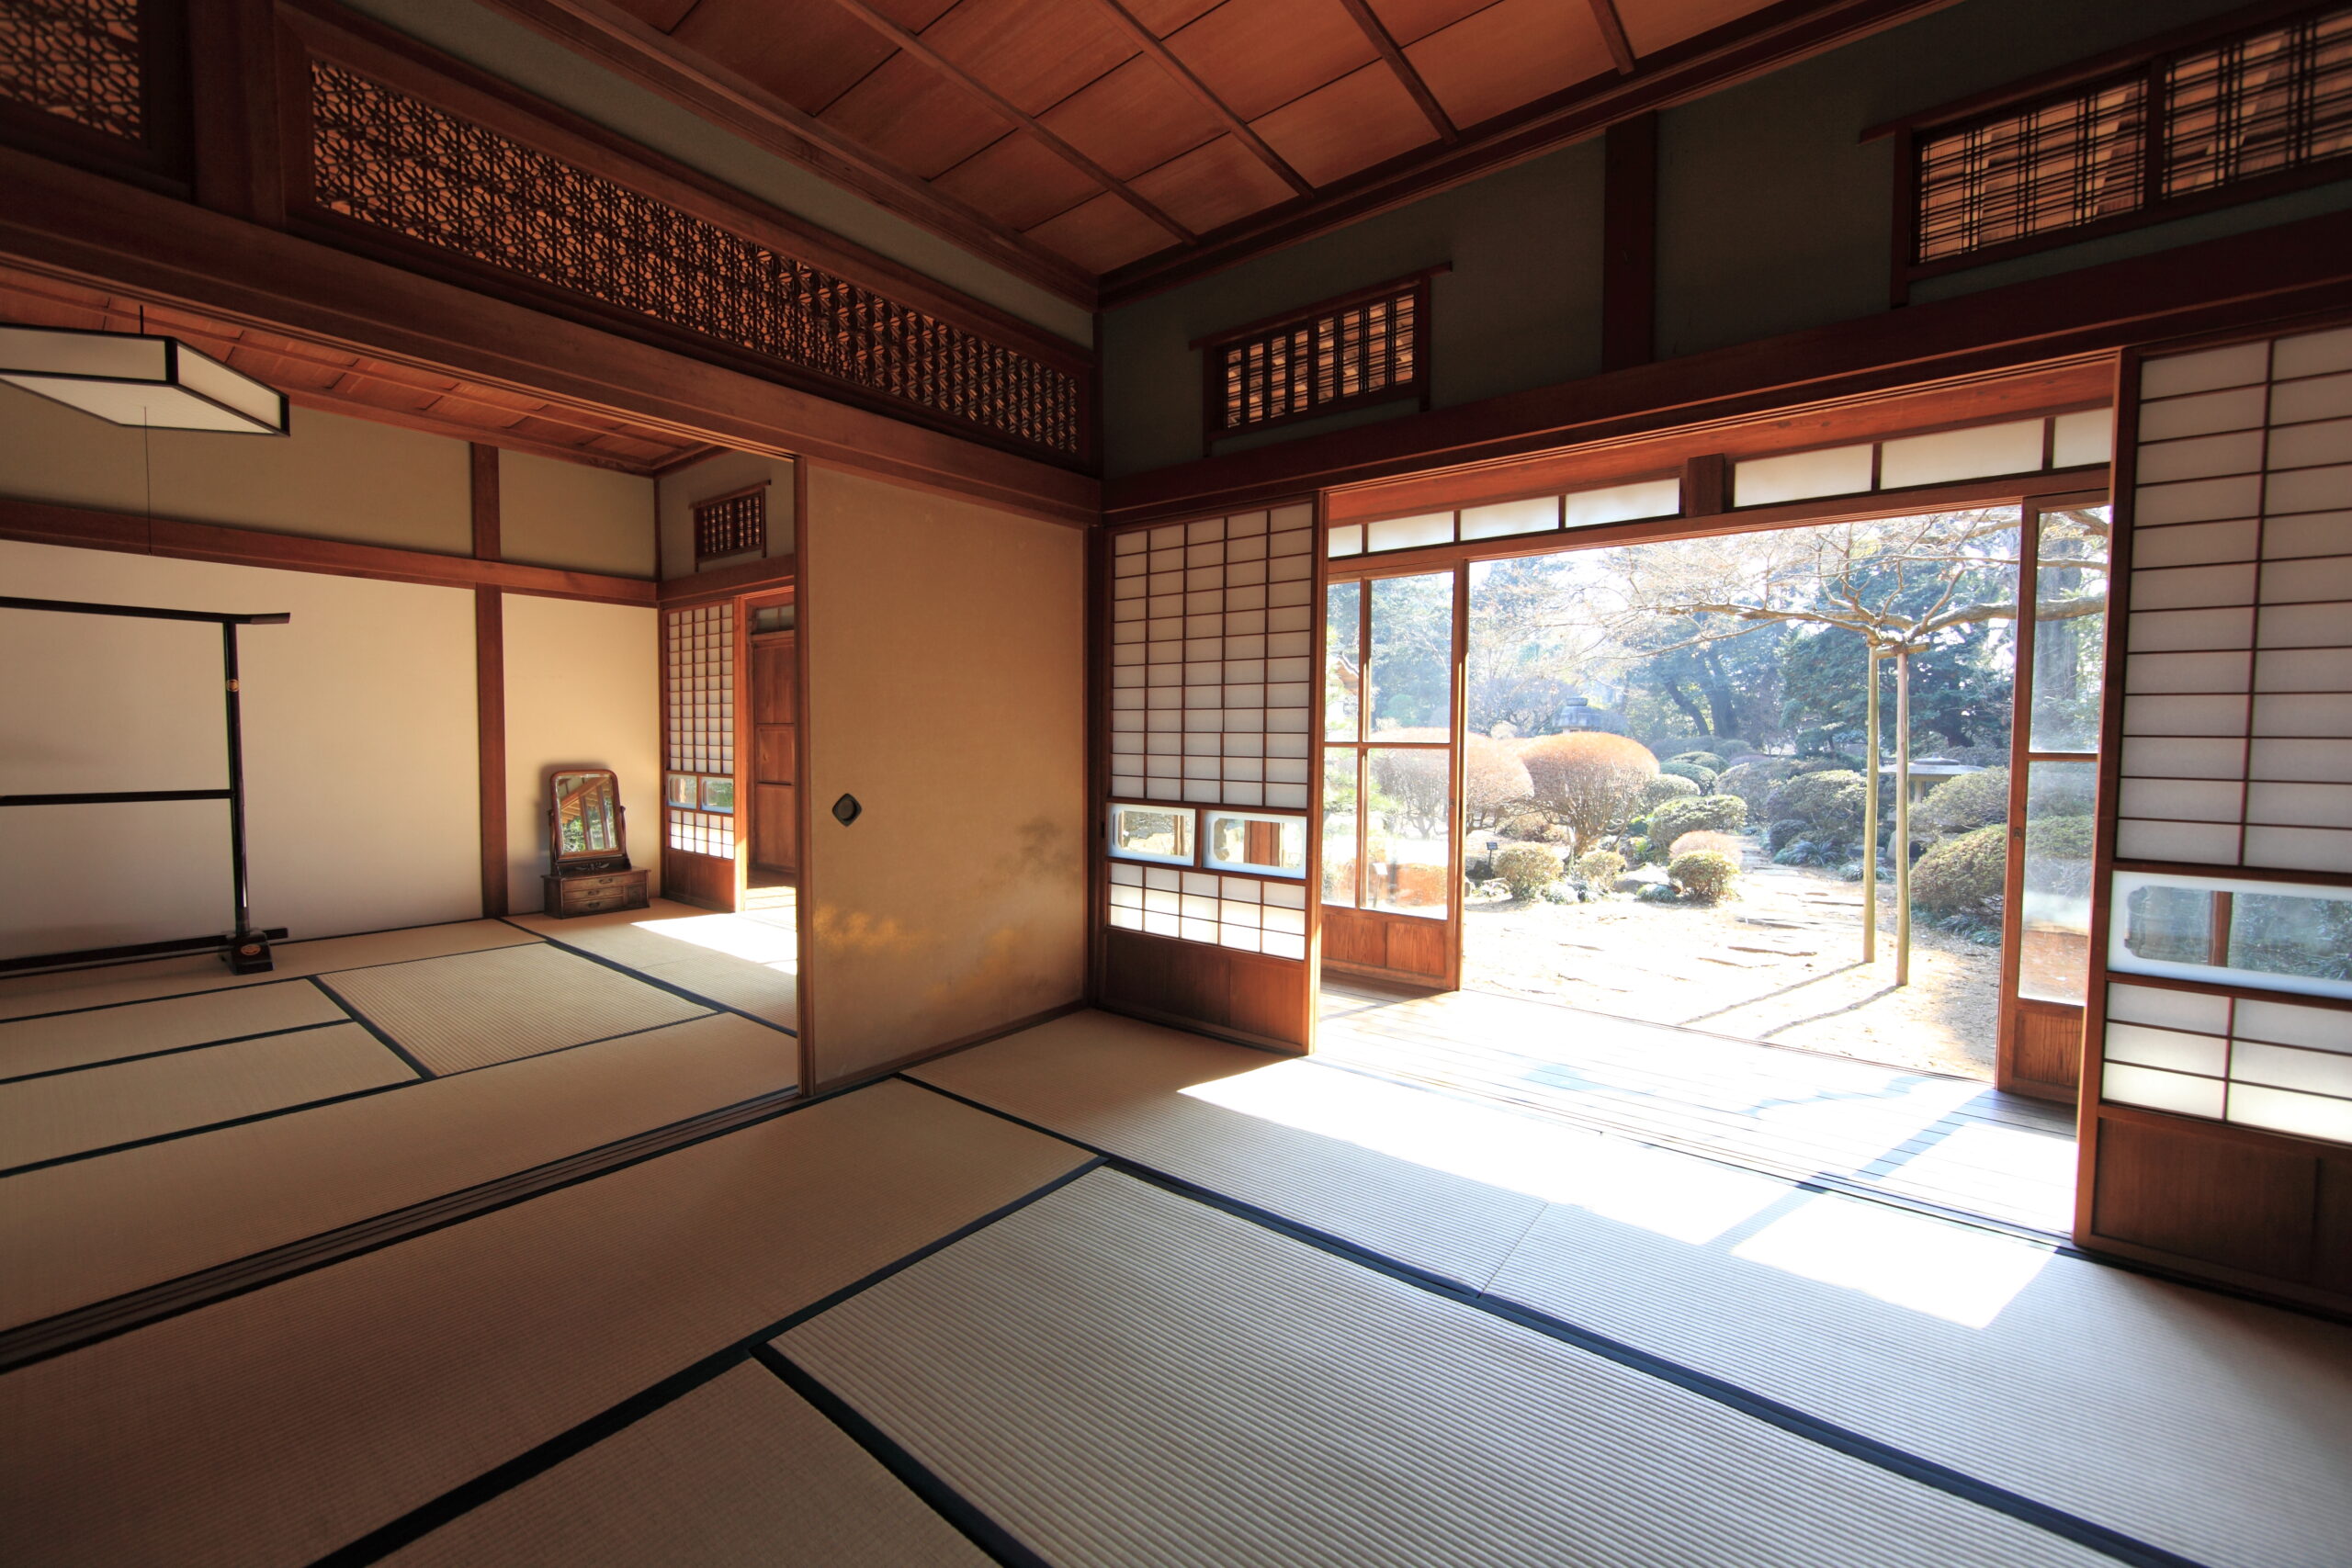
x: 1391, y: 777
x: 776, y: 748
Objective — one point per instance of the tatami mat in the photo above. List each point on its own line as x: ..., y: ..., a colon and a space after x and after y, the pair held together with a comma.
x: 2216, y: 1428
x: 275, y: 1426
x: 104, y: 1034
x: 1153, y: 1096
x: 480, y: 1008
x: 739, y: 1472
x: 79, y: 1233
x: 1123, y: 1377
x: 33, y: 994
x: 66, y: 1114
x: 737, y: 961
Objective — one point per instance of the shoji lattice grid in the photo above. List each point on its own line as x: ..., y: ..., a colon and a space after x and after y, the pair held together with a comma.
x: 2255, y: 1061
x: 2237, y: 718
x: 1197, y: 905
x: 700, y: 663
x: 1212, y: 660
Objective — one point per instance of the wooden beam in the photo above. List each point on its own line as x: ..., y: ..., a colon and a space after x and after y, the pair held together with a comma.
x: 1777, y: 36
x: 1629, y: 243
x: 109, y: 234
x: 1613, y: 33
x: 694, y: 82
x: 1239, y: 129
x: 83, y: 527
x: 912, y: 44
x: 2281, y: 273
x: 1378, y: 32
x: 489, y: 741
x: 484, y: 471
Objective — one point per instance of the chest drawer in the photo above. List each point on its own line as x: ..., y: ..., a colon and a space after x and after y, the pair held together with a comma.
x: 567, y: 896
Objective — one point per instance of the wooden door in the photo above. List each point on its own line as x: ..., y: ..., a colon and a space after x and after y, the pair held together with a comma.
x: 776, y: 748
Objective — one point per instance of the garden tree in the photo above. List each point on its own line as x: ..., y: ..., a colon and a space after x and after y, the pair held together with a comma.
x: 1412, y: 653
x: 1587, y: 781
x: 1531, y: 655
x: 1723, y: 686
x: 1411, y: 786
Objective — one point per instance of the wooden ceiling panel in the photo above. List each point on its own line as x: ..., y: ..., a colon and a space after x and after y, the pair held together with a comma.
x: 1101, y: 233
x: 1409, y: 21
x: 659, y: 14
x: 915, y: 116
x: 1257, y: 55
x: 1034, y: 53
x: 1213, y: 185
x: 1653, y: 25
x: 1164, y: 16
x: 1019, y: 181
x: 1510, y: 53
x: 1357, y: 121
x: 1136, y: 118
x: 809, y: 55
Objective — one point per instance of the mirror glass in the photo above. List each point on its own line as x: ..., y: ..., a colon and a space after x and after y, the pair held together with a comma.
x: 587, y: 813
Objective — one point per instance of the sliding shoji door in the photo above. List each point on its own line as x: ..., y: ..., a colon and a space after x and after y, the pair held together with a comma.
x: 1206, y: 859
x: 2217, y: 1125
x: 698, y: 837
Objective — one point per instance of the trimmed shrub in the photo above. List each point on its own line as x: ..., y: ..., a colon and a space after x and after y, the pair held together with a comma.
x: 1707, y: 760
x: 1600, y: 867
x: 1704, y: 875
x: 1753, y: 781
x: 1707, y: 841
x: 1784, y: 833
x: 1588, y: 780
x: 1704, y: 777
x: 1638, y: 849
x: 2059, y: 850
x: 2059, y: 792
x: 1663, y: 788
x: 1963, y: 875
x: 1530, y: 826
x: 1963, y: 804
x: 1494, y: 781
x: 1830, y: 800
x: 1720, y: 813
x: 1527, y: 869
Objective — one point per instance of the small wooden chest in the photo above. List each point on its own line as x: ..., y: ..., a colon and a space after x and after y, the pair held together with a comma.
x: 567, y: 896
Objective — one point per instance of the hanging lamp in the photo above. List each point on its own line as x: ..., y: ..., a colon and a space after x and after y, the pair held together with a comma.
x: 157, y: 383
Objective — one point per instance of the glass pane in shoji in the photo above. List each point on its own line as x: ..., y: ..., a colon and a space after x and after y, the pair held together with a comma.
x: 1407, y: 855
x: 1342, y: 677
x: 1340, y: 826
x: 2069, y: 630
x: 1411, y: 678
x: 2055, y: 905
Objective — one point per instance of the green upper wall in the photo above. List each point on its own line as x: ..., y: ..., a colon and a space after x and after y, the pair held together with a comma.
x: 1773, y: 216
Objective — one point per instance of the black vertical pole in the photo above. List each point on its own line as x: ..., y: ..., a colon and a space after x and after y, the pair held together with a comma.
x: 236, y: 780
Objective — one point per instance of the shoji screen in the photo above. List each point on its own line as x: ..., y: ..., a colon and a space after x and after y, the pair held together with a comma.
x: 1211, y: 666
x: 699, y: 755
x: 2223, y: 1134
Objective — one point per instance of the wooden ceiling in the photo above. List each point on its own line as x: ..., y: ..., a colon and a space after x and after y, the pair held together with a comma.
x: 338, y: 381
x: 1116, y: 139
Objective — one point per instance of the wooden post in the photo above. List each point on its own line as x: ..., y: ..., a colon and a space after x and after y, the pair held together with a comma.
x: 1870, y: 822
x: 1902, y: 815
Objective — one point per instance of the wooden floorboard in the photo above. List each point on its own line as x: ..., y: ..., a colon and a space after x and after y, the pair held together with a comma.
x: 1927, y: 1139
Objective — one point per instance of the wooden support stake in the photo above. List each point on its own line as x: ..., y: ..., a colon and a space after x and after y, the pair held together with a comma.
x: 1902, y: 815
x: 1869, y: 824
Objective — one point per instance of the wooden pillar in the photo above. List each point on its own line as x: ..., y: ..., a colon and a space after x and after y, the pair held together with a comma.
x: 489, y: 686
x: 1628, y: 244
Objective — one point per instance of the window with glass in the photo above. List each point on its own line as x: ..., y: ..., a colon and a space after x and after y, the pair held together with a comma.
x: 1388, y: 748
x: 1252, y: 842
x: 1162, y: 833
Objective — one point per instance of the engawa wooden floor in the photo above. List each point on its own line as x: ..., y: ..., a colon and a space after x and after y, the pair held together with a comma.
x: 1952, y: 1144
x: 1096, y: 1294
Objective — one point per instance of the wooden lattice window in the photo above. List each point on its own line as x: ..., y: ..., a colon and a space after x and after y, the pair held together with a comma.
x: 2222, y: 117
x: 80, y: 60
x: 733, y: 524
x: 400, y: 165
x: 1366, y: 347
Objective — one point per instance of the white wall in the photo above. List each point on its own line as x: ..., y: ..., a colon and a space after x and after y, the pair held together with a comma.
x: 725, y: 474
x: 551, y: 513
x: 359, y: 752
x: 583, y: 690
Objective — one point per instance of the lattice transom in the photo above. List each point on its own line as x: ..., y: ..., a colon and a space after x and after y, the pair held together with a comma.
x: 79, y: 60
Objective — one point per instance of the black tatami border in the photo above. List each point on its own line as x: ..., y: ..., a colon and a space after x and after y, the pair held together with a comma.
x: 644, y: 979
x: 1871, y: 1450
x: 919, y: 1478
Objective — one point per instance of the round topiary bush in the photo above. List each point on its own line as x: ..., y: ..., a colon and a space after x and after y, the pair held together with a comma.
x: 1784, y: 833
x: 1963, y: 875
x: 1830, y: 801
x: 1704, y: 875
x: 1600, y: 867
x: 1752, y: 782
x: 1720, y: 813
x: 1707, y: 841
x: 1530, y: 826
x: 1963, y: 804
x: 1663, y: 788
x: 1704, y: 777
x: 2058, y: 853
x: 1527, y: 869
x: 1710, y: 760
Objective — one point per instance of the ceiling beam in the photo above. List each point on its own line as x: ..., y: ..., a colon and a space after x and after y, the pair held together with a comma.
x: 914, y: 45
x: 1612, y: 32
x: 1149, y: 42
x: 1439, y: 122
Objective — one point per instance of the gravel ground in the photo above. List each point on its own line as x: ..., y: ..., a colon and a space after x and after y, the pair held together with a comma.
x: 1780, y: 963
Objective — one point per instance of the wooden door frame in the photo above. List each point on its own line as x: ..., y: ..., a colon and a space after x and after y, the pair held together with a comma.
x: 746, y: 740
